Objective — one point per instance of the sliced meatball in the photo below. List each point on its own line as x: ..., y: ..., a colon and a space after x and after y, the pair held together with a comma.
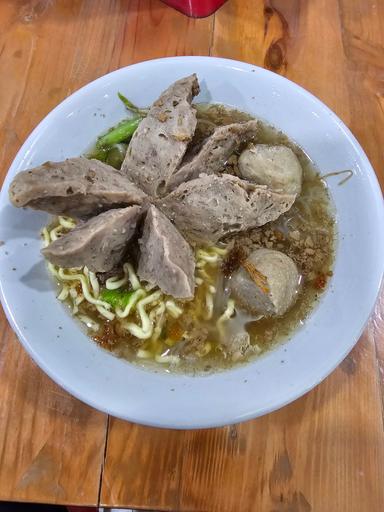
x: 215, y: 151
x: 166, y: 258
x: 277, y: 167
x: 266, y: 283
x: 99, y: 243
x: 160, y: 142
x: 76, y: 187
x: 210, y: 207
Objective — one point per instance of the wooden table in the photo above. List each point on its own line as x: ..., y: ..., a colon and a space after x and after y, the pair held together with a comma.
x: 323, y: 453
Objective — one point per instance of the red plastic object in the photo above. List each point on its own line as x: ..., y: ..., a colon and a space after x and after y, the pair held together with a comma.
x: 196, y: 8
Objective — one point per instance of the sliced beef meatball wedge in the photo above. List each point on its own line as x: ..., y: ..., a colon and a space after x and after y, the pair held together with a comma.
x: 160, y: 142
x: 76, y: 187
x: 215, y: 151
x: 99, y: 244
x: 209, y: 208
x: 166, y: 258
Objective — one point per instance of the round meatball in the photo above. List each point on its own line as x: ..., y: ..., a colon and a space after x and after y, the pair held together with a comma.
x: 277, y: 167
x: 266, y: 283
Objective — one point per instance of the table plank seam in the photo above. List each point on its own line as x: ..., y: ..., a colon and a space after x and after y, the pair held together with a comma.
x: 103, y: 461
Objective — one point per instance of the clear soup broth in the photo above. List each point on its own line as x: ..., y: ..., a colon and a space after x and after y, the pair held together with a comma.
x: 188, y: 336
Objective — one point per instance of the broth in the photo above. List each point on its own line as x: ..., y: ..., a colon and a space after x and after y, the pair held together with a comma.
x: 306, y: 233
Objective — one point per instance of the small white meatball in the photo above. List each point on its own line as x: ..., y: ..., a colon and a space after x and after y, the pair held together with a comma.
x: 266, y: 283
x: 277, y: 167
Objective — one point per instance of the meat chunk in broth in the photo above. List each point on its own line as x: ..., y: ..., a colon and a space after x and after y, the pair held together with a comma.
x: 266, y: 283
x: 210, y: 207
x: 166, y: 259
x: 159, y: 143
x: 192, y: 344
x: 277, y: 167
x: 99, y: 243
x: 238, y: 346
x: 215, y: 151
x: 77, y: 187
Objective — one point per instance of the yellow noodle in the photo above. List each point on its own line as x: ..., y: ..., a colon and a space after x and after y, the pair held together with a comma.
x: 84, y: 286
x: 219, y: 250
x: 79, y: 299
x: 104, y: 312
x: 206, y: 257
x: 135, y: 283
x: 209, y: 306
x: 46, y: 237
x: 158, y: 311
x: 149, y: 324
x: 202, y: 273
x: 63, y: 293
x: 91, y: 324
x: 225, y: 316
x: 143, y: 354
x: 54, y: 233
x: 113, y: 283
x: 174, y: 310
x: 165, y: 359
x: 67, y: 222
x: 123, y: 313
x: 146, y: 329
x: 94, y: 284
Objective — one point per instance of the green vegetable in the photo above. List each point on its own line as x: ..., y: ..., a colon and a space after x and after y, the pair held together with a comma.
x: 98, y: 154
x: 116, y: 298
x: 120, y: 133
x: 116, y: 155
x: 142, y: 112
x: 113, y: 155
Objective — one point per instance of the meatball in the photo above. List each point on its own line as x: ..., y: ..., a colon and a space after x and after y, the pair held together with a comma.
x: 266, y: 283
x: 277, y: 167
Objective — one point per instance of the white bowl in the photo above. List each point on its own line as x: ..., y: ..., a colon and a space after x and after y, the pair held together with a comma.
x: 112, y: 385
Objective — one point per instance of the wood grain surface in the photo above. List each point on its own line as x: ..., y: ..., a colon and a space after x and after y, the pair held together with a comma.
x: 324, y: 452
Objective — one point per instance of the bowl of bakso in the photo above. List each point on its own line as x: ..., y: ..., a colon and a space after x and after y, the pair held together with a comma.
x: 192, y: 250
